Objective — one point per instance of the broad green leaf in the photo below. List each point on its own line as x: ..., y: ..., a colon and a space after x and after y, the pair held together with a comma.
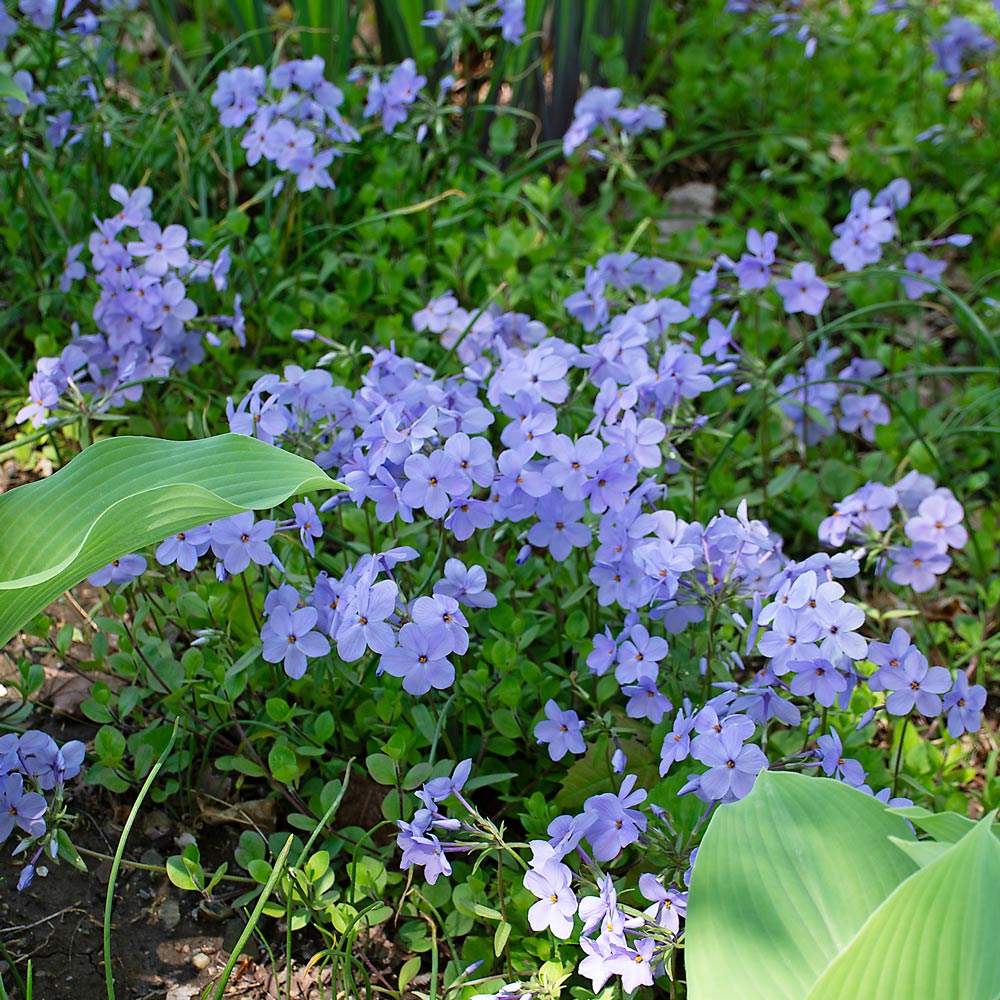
x: 935, y: 936
x: 784, y: 880
x: 124, y: 493
x: 923, y: 852
x: 947, y: 827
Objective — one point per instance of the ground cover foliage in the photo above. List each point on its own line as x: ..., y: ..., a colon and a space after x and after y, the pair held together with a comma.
x: 621, y: 516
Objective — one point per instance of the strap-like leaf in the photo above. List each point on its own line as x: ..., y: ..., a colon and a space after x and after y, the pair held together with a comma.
x: 935, y: 936
x: 124, y: 493
x: 784, y: 880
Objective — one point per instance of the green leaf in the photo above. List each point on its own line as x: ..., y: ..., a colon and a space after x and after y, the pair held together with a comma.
x: 278, y: 709
x: 10, y: 89
x: 109, y: 745
x: 784, y: 880
x: 124, y: 493
x: 947, y: 827
x: 407, y: 973
x: 500, y: 938
x: 935, y: 936
x: 177, y: 872
x: 382, y: 768
x: 68, y: 852
x: 283, y: 763
x: 923, y: 852
x: 259, y: 869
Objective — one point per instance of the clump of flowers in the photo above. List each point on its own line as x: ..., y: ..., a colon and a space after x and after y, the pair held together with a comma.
x: 910, y: 526
x: 391, y: 99
x: 960, y: 49
x: 472, y: 16
x: 143, y: 315
x: 294, y: 115
x: 34, y: 770
x: 783, y: 16
x: 599, y: 112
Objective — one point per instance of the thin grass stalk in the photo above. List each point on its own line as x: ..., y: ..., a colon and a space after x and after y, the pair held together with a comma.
x: 276, y: 873
x: 109, y: 977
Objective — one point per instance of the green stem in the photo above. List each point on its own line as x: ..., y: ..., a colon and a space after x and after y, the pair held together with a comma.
x: 109, y: 976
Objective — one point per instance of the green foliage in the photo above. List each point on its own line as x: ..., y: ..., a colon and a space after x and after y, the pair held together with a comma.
x: 124, y: 493
x: 836, y: 900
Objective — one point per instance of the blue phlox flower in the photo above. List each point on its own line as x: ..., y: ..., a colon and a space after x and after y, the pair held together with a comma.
x: 239, y: 540
x: 442, y: 613
x: 558, y: 527
x: 830, y: 751
x: 556, y: 905
x: 561, y: 730
x: 289, y: 638
x: 616, y: 824
x: 863, y: 413
x: 185, y: 548
x: 938, y: 522
x: 732, y: 766
x: 963, y: 705
x: 431, y: 482
x: 438, y: 789
x: 669, y: 905
x: 646, y: 701
x: 161, y: 248
x: 639, y: 656
x: 363, y: 623
x: 753, y: 269
x: 119, y: 571
x: 284, y: 596
x: 308, y: 522
x: 917, y: 566
x: 922, y: 265
x: 421, y: 847
x: 915, y: 684
x: 803, y: 291
x: 604, y: 653
x: 565, y: 832
x: 466, y: 584
x: 677, y: 743
x: 511, y: 20
x: 420, y: 659
x: 20, y: 808
x: 818, y: 678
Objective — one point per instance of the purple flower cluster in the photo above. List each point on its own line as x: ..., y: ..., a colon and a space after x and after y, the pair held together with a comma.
x: 143, y: 314
x: 507, y: 15
x: 32, y: 764
x: 783, y: 16
x: 391, y: 99
x: 929, y: 517
x: 960, y: 49
x: 859, y: 242
x: 818, y: 403
x: 294, y: 115
x: 624, y: 942
x: 601, y: 108
x: 418, y: 840
x: 47, y: 15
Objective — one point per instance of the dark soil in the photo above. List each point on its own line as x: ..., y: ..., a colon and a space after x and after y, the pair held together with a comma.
x: 163, y: 944
x: 166, y: 944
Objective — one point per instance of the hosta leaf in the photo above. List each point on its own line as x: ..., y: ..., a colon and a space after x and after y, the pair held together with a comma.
x: 784, y: 880
x: 935, y: 936
x: 124, y: 493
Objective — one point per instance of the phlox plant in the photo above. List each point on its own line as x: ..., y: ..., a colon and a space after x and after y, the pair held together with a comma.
x: 35, y: 770
x: 561, y: 451
x: 551, y: 610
